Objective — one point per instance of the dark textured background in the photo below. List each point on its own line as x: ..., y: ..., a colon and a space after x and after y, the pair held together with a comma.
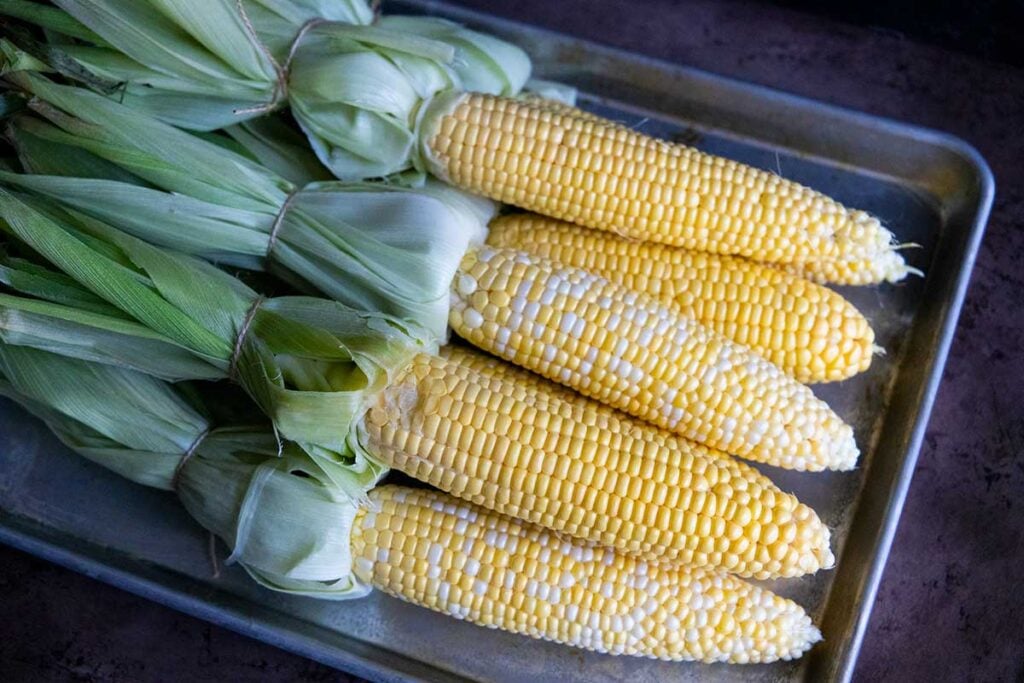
x: 951, y: 606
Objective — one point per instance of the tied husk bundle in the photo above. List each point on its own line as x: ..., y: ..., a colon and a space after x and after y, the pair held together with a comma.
x: 281, y: 515
x: 357, y: 90
x: 379, y: 247
x: 310, y: 364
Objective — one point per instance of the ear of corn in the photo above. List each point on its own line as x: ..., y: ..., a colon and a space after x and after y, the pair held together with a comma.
x: 634, y: 354
x: 508, y: 440
x: 477, y: 565
x: 809, y: 331
x: 577, y: 167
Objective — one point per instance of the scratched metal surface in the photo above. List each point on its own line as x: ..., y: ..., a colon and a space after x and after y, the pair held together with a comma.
x: 931, y: 189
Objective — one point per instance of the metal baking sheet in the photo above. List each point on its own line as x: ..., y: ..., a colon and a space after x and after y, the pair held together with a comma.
x: 932, y: 189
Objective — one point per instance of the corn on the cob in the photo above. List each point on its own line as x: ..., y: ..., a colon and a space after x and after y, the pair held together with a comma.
x: 458, y: 559
x: 501, y: 438
x: 580, y: 168
x: 809, y: 331
x: 632, y: 353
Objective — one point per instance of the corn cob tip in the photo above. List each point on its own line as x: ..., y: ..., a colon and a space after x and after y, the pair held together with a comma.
x: 845, y: 453
x: 872, y: 268
x: 811, y: 634
x: 829, y: 561
x: 890, y: 266
x: 839, y: 454
x: 820, y: 545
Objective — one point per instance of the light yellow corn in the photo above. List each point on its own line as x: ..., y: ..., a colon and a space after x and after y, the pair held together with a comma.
x: 429, y: 549
x: 501, y: 437
x: 795, y: 324
x: 632, y: 353
x: 584, y: 169
x: 886, y: 267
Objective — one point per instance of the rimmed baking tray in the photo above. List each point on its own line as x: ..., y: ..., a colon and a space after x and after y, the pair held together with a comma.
x: 932, y: 189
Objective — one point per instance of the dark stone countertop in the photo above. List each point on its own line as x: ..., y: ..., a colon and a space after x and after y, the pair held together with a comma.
x: 950, y: 606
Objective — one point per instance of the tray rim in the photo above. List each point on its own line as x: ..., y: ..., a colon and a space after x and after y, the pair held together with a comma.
x: 186, y: 594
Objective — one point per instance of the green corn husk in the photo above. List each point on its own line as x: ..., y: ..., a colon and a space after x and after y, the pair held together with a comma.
x: 272, y: 143
x: 187, y: 60
x: 310, y: 364
x: 282, y: 517
x: 356, y: 90
x: 381, y: 247
x: 106, y: 339
x: 60, y: 316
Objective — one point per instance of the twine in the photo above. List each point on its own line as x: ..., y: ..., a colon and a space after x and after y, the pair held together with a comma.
x: 280, y: 92
x: 176, y: 479
x: 242, y: 334
x: 275, y: 227
x: 188, y: 456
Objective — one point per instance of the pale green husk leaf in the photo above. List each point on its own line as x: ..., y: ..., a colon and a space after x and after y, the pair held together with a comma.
x: 384, y: 247
x: 357, y: 91
x: 282, y: 518
x: 199, y: 64
x: 310, y: 364
x: 108, y: 339
x: 278, y: 147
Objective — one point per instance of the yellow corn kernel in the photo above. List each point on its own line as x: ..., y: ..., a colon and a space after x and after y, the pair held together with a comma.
x: 589, y: 171
x: 727, y: 294
x: 577, y: 467
x: 498, y: 572
x: 634, y: 354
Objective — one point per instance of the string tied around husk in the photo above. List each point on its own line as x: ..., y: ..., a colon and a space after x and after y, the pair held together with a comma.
x: 189, y: 452
x: 176, y: 480
x: 280, y: 92
x: 275, y: 227
x: 243, y: 332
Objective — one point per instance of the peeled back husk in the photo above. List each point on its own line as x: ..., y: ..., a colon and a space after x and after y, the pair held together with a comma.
x: 371, y: 246
x: 285, y: 522
x: 308, y: 363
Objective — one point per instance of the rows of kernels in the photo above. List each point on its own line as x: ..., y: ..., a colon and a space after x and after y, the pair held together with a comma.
x: 473, y: 564
x: 887, y: 266
x: 809, y: 331
x: 510, y: 441
x: 632, y: 353
x: 594, y: 173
